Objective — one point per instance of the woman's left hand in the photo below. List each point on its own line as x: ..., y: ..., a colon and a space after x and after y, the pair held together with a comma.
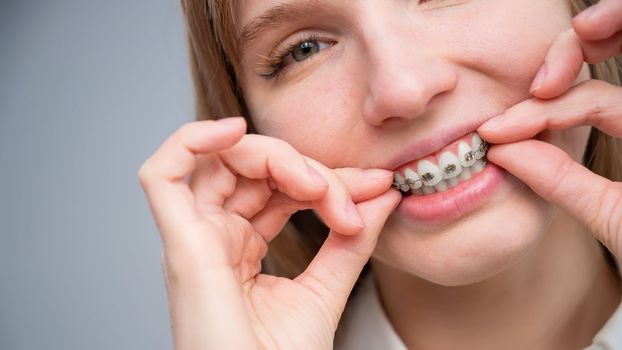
x: 596, y: 201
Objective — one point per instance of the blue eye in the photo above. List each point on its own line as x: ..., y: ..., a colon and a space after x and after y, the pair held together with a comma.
x: 301, y: 50
x: 305, y: 50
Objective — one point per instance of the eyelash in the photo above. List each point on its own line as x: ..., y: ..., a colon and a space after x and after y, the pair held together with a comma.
x: 271, y: 67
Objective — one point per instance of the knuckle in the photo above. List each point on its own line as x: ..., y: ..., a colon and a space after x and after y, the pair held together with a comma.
x: 346, y: 173
x: 607, y: 223
x: 265, y: 144
x: 523, y: 108
x: 568, y: 34
x: 283, y: 148
x: 185, y: 128
x: 278, y: 145
x: 280, y: 153
x: 598, y: 93
x: 284, y: 204
x: 559, y: 176
x: 145, y: 173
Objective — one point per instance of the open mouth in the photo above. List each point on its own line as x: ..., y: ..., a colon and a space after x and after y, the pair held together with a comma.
x: 445, y: 169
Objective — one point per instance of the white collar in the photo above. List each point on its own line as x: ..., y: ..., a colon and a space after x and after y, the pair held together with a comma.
x: 364, y: 325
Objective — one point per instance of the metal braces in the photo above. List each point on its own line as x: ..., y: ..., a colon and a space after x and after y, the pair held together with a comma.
x: 483, y: 147
x: 469, y: 156
x: 450, y: 168
x: 427, y: 177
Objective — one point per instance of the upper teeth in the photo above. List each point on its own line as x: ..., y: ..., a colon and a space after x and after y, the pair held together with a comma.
x: 451, y: 169
x: 479, y: 147
x: 429, y: 172
x: 412, y: 179
x: 450, y: 165
x: 465, y: 154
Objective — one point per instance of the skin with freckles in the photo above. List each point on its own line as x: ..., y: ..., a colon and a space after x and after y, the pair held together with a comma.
x: 391, y: 72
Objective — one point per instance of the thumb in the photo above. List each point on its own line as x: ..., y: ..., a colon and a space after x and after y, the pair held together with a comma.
x: 337, y: 265
x: 555, y: 176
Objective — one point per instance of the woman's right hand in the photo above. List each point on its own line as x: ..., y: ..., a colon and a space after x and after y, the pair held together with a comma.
x: 218, y: 197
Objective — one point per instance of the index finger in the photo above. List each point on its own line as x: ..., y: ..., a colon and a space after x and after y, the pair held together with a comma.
x: 162, y: 176
x: 593, y: 102
x: 565, y: 60
x: 599, y: 21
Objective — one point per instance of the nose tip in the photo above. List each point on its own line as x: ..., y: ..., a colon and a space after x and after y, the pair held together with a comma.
x: 395, y: 100
x: 404, y: 93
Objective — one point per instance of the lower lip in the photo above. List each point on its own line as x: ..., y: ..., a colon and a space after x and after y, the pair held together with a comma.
x: 455, y: 202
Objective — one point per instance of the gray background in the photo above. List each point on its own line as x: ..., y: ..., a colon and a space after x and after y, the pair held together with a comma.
x: 88, y: 90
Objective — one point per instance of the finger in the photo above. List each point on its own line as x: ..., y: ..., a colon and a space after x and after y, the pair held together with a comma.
x: 211, y: 182
x: 565, y: 59
x: 249, y: 197
x: 599, y: 21
x: 561, y: 67
x: 263, y: 157
x: 334, y: 270
x: 598, y: 51
x: 257, y: 157
x: 270, y: 220
x: 175, y: 159
x: 162, y: 176
x: 593, y: 102
x: 555, y: 176
x: 364, y: 184
x: 337, y: 207
x: 361, y: 184
x: 302, y: 178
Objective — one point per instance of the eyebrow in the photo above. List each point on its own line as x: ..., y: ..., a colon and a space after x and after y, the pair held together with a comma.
x: 273, y: 18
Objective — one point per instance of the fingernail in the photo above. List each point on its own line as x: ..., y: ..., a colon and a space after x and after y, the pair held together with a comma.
x: 492, y: 124
x: 316, y: 177
x: 353, y: 215
x: 586, y: 14
x: 379, y: 174
x: 539, y: 79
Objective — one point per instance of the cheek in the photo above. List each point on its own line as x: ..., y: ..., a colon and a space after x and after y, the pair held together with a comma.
x: 508, y: 41
x: 311, y: 115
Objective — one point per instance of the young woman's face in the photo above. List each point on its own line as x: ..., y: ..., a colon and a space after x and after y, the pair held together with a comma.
x: 386, y: 84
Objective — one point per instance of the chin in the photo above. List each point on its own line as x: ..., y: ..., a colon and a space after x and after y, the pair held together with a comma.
x: 472, y: 248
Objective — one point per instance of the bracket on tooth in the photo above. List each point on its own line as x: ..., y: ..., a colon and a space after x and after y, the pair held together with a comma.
x: 484, y: 146
x: 427, y: 177
x: 469, y: 156
x: 449, y: 168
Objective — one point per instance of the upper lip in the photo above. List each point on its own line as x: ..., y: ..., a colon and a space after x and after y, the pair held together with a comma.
x: 437, y: 140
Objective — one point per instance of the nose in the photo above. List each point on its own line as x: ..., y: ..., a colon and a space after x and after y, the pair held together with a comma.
x: 403, y: 74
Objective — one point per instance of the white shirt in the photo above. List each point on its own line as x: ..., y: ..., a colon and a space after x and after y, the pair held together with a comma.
x: 365, y: 325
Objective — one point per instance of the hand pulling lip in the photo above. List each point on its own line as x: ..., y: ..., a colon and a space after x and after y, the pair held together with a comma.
x: 421, y: 148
